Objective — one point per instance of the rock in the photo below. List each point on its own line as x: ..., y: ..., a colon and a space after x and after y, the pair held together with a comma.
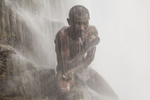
x: 8, y: 25
x: 5, y: 51
x: 20, y: 78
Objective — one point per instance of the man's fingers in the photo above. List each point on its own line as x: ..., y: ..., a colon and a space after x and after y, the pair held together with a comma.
x: 95, y: 41
x: 67, y: 76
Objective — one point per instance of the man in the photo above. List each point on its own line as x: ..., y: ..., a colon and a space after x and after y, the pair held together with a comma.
x: 75, y: 49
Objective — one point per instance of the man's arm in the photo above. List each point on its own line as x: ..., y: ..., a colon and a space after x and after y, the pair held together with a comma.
x: 91, y: 42
x: 91, y: 45
x: 90, y: 49
x: 87, y: 61
x: 61, y: 49
x: 89, y: 58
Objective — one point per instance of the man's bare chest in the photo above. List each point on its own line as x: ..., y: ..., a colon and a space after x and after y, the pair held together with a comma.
x: 75, y: 46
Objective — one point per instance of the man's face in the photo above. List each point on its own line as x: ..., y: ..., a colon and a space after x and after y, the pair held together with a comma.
x: 79, y: 25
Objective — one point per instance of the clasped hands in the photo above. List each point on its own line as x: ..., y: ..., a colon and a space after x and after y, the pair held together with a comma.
x: 68, y: 76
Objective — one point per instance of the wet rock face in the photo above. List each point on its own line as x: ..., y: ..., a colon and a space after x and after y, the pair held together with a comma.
x: 11, y: 26
x: 8, y: 25
x: 23, y: 81
x: 5, y: 51
x: 42, y: 82
x: 15, y: 82
x: 5, y: 70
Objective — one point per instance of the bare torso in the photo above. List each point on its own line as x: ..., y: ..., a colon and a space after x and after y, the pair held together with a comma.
x: 70, y: 47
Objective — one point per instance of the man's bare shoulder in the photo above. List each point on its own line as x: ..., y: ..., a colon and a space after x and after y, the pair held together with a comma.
x: 61, y: 35
x: 92, y: 30
x: 62, y: 31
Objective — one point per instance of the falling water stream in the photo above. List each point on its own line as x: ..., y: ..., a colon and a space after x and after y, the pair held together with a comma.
x: 122, y: 57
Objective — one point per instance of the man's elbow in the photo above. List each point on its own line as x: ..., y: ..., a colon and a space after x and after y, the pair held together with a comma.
x: 91, y: 58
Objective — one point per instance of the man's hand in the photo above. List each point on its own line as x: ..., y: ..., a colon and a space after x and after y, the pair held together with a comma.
x: 92, y: 41
x: 68, y: 76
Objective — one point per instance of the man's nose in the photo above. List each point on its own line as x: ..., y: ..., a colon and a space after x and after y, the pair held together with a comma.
x: 81, y: 27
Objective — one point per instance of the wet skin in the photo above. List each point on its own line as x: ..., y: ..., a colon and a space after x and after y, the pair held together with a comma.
x: 71, y: 45
x: 79, y: 36
x: 78, y: 25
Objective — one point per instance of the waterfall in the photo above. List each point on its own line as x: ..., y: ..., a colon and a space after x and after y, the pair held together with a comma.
x: 122, y: 57
x: 39, y: 21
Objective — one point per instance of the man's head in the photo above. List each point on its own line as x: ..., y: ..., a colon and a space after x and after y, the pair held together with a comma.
x: 78, y: 20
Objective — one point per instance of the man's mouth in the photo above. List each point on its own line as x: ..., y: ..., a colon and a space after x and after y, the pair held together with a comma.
x: 81, y: 32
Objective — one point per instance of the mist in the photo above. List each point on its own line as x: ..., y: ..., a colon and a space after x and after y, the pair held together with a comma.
x: 122, y: 56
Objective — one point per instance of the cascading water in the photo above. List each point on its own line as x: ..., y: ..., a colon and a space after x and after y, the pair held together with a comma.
x: 35, y: 52
x: 123, y: 28
x: 36, y: 48
x: 39, y: 33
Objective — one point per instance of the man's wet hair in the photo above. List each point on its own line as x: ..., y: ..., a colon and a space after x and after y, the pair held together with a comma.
x: 78, y: 10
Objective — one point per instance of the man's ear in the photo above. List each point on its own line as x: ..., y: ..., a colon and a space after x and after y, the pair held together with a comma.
x: 68, y: 20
